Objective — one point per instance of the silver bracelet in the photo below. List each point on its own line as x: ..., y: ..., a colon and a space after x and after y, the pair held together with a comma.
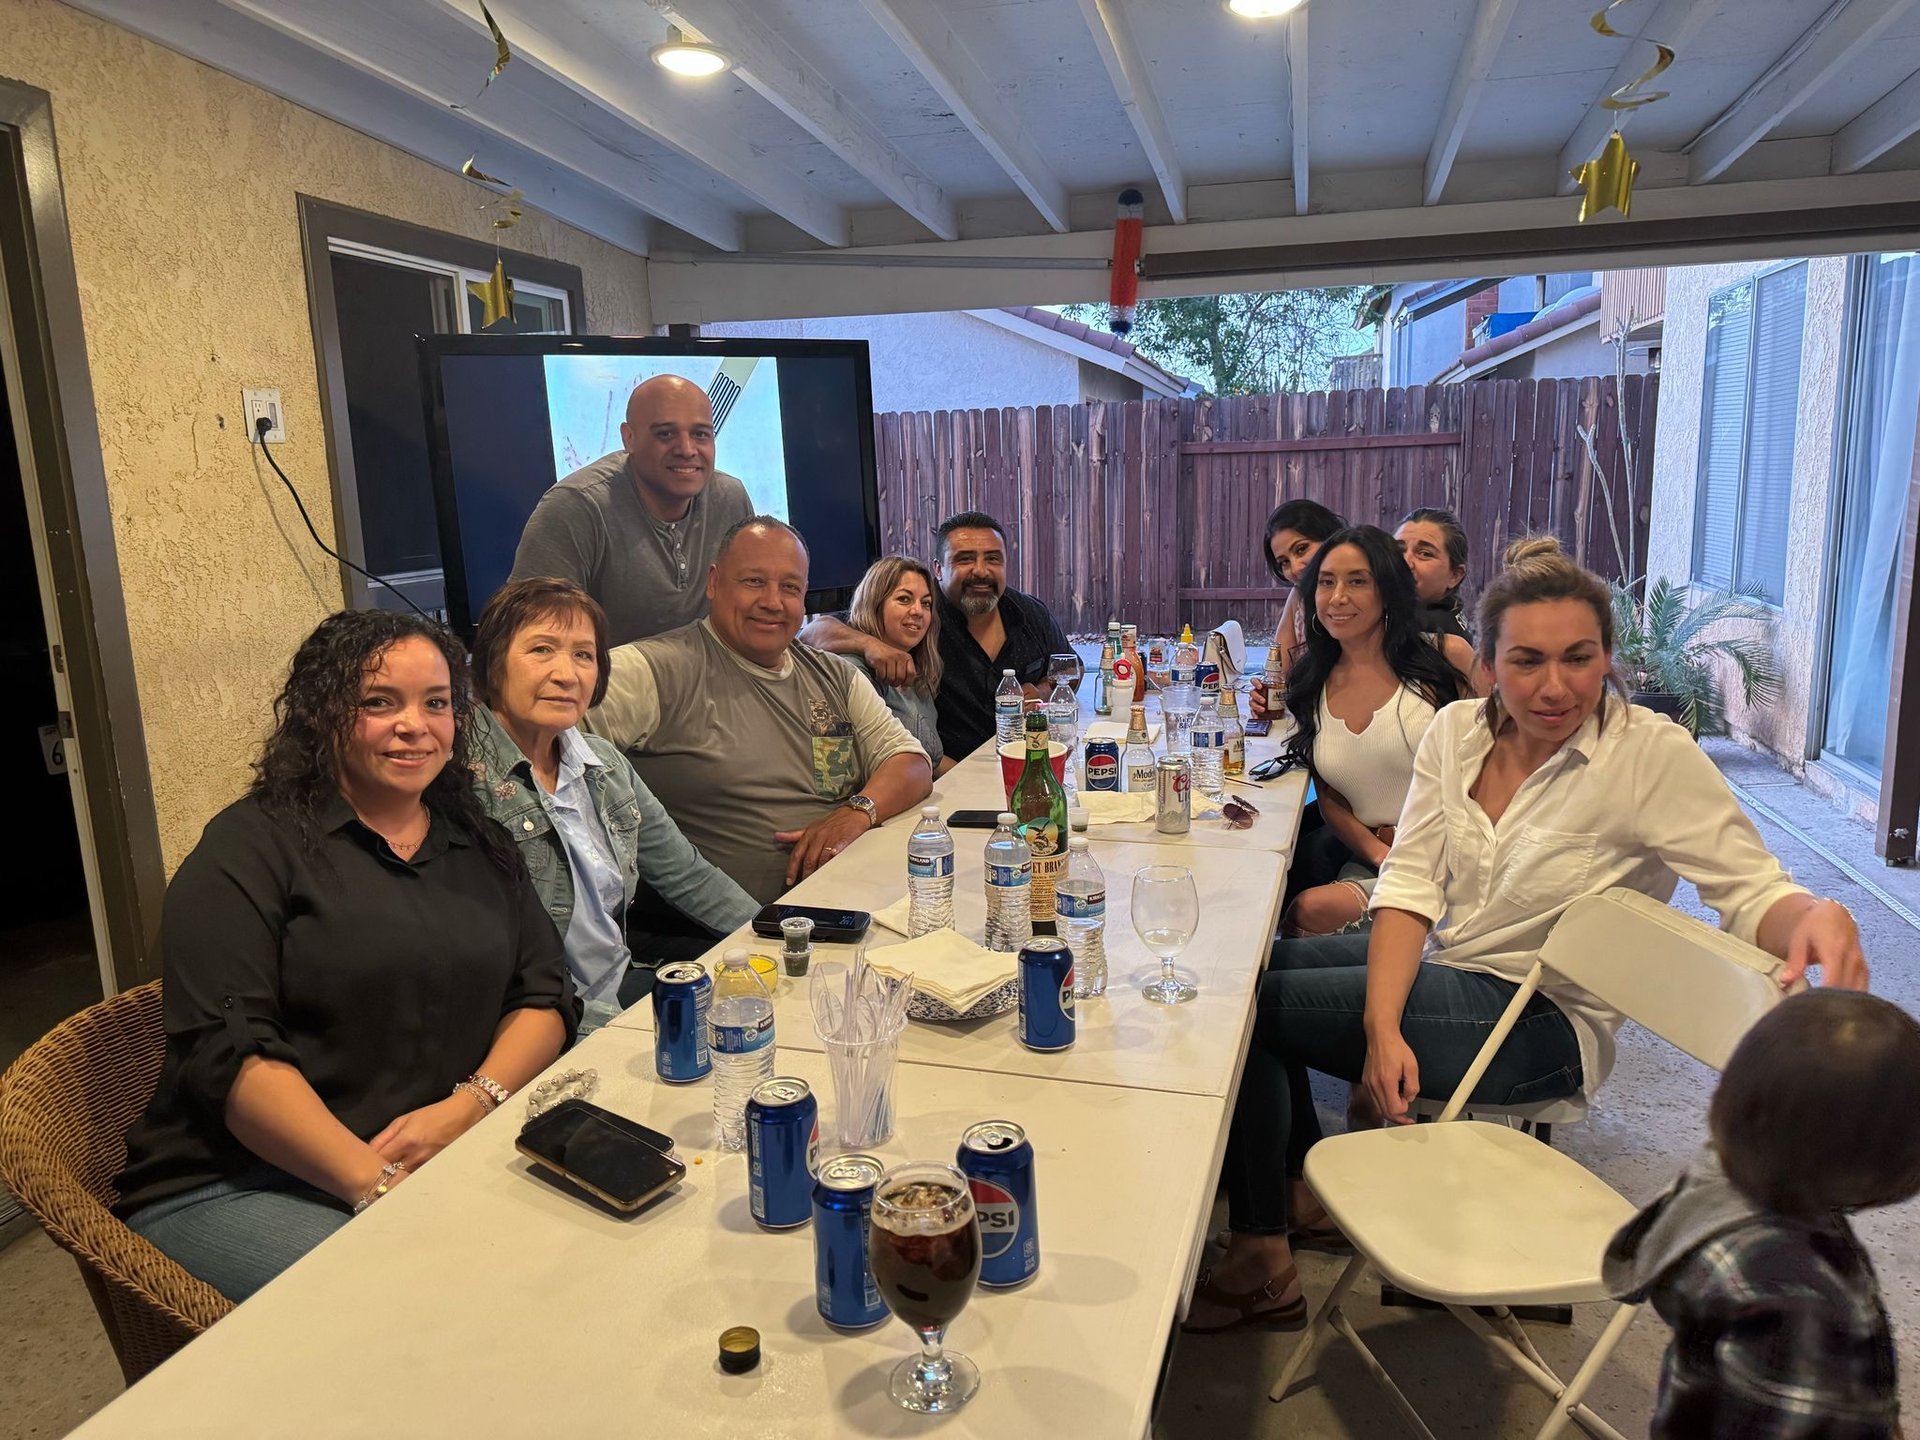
x: 493, y: 1087
x: 567, y: 1085
x: 382, y: 1183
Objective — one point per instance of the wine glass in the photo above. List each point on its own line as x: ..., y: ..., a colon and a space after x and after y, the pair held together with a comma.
x: 924, y: 1245
x: 1067, y: 666
x: 1166, y: 912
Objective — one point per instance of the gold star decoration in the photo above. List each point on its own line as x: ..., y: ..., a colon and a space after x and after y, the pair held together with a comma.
x: 495, y: 295
x: 1606, y: 181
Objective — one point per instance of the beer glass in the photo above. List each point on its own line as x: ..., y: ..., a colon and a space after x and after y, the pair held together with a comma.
x: 1166, y: 912
x: 924, y: 1245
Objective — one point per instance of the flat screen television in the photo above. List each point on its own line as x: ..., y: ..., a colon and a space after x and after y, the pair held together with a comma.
x: 509, y: 415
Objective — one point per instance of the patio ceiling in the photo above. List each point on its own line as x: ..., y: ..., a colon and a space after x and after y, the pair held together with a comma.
x: 977, y: 133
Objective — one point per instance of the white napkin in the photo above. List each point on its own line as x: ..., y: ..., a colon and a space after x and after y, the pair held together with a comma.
x: 1114, y: 730
x: 894, y: 917
x: 948, y: 966
x: 1107, y: 807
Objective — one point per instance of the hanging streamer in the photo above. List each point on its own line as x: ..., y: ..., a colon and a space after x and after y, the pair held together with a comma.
x: 1625, y: 97
x: 1123, y: 289
x: 506, y: 199
x: 1606, y: 181
x: 502, y: 53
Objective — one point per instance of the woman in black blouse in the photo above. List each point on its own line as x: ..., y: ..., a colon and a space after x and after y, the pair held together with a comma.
x: 357, y: 969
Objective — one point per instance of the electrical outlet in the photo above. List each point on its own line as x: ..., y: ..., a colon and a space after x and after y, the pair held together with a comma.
x: 265, y: 402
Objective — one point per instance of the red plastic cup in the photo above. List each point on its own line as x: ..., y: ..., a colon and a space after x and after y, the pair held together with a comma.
x: 1013, y: 759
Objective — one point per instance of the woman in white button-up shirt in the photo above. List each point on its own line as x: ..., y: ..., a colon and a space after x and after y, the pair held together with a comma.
x: 1547, y: 791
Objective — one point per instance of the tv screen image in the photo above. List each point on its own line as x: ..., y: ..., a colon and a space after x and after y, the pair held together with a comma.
x: 508, y: 416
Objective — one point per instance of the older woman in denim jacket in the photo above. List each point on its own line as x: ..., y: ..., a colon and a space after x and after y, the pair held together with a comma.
x: 589, y: 828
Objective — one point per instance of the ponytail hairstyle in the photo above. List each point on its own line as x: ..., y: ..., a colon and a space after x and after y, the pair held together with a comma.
x: 1455, y: 536
x: 1416, y: 661
x: 1535, y: 568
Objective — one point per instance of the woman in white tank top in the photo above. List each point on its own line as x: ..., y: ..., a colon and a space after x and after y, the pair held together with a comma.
x: 1362, y: 694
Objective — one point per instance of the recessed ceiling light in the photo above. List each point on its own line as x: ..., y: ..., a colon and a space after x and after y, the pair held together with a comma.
x: 694, y: 58
x: 1263, y: 9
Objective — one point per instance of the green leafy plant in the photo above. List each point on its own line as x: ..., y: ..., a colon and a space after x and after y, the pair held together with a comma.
x: 1663, y: 646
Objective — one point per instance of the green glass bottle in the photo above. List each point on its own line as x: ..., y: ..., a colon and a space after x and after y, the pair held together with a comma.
x: 1039, y: 805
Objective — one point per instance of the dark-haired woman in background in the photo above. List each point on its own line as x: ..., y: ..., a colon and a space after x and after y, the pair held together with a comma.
x: 1435, y: 547
x: 1362, y: 693
x: 356, y: 967
x: 1295, y: 532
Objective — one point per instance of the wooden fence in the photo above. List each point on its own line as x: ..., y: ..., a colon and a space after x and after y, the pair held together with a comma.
x: 1155, y: 510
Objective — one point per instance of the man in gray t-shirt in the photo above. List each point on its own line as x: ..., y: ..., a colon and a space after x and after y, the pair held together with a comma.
x: 638, y: 528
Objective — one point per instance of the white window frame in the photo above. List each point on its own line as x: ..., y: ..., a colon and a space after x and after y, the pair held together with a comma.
x: 461, y: 276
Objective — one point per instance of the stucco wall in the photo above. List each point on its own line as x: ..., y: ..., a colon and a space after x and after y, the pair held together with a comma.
x: 180, y: 189
x: 1571, y: 357
x: 939, y: 360
x: 1782, y: 727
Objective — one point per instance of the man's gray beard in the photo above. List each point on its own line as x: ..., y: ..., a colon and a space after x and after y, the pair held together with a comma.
x: 973, y: 604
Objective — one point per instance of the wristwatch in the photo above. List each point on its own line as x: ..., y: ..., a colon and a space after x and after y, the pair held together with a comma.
x: 864, y: 804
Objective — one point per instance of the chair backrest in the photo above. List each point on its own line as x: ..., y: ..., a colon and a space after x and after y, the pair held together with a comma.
x: 65, y: 1108
x: 1696, y: 987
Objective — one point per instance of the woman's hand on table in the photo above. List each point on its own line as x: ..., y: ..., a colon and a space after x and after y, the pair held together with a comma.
x: 1825, y: 935
x: 417, y: 1136
x: 1392, y: 1077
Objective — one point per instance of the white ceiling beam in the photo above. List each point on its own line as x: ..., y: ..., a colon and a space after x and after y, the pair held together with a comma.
x: 1297, y: 94
x: 1837, y: 38
x: 442, y: 66
x: 1490, y: 23
x: 1878, y: 128
x: 788, y: 81
x: 920, y: 29
x: 1675, y: 23
x: 602, y: 78
x: 1113, y: 38
x: 269, y: 59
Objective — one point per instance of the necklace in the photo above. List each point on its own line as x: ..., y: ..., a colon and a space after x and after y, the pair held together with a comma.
x: 405, y: 848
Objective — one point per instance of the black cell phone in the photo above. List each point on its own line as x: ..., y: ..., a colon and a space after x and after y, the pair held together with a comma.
x: 613, y: 1159
x: 973, y: 819
x: 836, y: 927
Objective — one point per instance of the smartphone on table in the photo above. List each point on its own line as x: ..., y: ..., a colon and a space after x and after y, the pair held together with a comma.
x: 973, y: 819
x: 833, y: 927
x: 617, y: 1161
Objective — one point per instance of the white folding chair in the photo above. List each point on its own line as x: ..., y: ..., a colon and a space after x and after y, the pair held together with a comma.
x: 1501, y: 1218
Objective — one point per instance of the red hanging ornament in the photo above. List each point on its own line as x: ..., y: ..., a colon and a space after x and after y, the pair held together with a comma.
x: 1123, y: 290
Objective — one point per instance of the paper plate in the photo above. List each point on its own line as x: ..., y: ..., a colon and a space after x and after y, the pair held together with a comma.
x: 997, y: 1001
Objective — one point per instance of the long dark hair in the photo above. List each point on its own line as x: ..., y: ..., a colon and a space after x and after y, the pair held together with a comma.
x: 1414, y: 658
x: 298, y: 772
x: 1304, y: 517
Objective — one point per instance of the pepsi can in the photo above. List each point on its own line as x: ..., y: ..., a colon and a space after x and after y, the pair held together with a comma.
x: 682, y: 994
x: 1103, y: 765
x: 1046, y: 994
x: 1208, y: 677
x: 843, y: 1285
x: 998, y: 1163
x: 783, y: 1134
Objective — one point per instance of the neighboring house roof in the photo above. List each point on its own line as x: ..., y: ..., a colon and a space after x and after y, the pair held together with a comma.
x: 1083, y: 342
x: 1574, y: 311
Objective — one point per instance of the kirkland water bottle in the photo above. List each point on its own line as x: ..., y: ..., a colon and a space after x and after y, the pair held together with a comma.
x: 740, y: 1039
x: 1080, y: 918
x: 1009, y: 709
x: 1209, y: 749
x: 1009, y: 887
x: 929, y: 875
x: 1063, y: 724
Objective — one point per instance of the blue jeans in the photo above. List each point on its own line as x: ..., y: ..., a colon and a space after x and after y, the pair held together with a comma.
x: 1310, y: 1012
x: 237, y: 1234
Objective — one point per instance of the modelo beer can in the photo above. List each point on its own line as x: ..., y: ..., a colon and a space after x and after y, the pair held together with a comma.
x: 1103, y: 765
x: 998, y: 1163
x: 1173, y: 797
x: 1207, y: 676
x: 1046, y: 994
x: 783, y: 1133
x: 682, y: 994
x: 843, y: 1285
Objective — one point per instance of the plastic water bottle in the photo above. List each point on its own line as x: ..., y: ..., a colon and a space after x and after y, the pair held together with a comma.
x: 740, y: 1037
x: 1009, y: 710
x: 1009, y: 887
x: 1209, y: 749
x: 929, y: 875
x: 1080, y: 918
x: 1063, y: 725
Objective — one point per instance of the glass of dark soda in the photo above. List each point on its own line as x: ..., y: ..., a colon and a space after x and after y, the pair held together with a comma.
x: 924, y: 1246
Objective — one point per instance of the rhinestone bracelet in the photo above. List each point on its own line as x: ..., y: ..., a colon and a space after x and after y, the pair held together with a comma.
x: 567, y: 1085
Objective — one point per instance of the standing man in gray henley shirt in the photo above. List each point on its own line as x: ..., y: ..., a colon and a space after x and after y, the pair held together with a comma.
x: 638, y: 529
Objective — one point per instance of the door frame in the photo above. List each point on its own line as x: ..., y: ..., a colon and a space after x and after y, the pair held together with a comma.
x: 43, y: 357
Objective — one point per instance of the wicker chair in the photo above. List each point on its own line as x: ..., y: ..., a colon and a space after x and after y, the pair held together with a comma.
x: 65, y: 1107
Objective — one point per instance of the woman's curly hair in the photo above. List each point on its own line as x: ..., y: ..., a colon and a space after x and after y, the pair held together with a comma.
x: 298, y: 772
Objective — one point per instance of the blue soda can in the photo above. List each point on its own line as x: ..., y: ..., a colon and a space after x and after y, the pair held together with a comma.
x: 1208, y: 678
x: 681, y: 995
x: 1046, y: 994
x: 842, y: 1274
x: 998, y: 1163
x: 783, y: 1134
x: 1103, y: 765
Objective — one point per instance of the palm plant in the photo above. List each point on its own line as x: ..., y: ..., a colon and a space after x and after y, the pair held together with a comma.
x: 1662, y: 647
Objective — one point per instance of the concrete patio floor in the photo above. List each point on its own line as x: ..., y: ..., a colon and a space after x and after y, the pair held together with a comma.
x: 56, y: 1368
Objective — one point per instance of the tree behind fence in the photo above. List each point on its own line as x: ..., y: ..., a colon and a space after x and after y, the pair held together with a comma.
x: 1154, y: 511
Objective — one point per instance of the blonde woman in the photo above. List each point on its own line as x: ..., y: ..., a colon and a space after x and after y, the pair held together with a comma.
x: 894, y: 603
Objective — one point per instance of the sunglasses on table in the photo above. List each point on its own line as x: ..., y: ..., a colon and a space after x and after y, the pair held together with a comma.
x: 1238, y: 813
x: 1274, y: 767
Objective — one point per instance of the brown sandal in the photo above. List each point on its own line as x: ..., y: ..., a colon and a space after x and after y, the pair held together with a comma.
x: 1290, y: 1315
x: 1322, y: 1235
